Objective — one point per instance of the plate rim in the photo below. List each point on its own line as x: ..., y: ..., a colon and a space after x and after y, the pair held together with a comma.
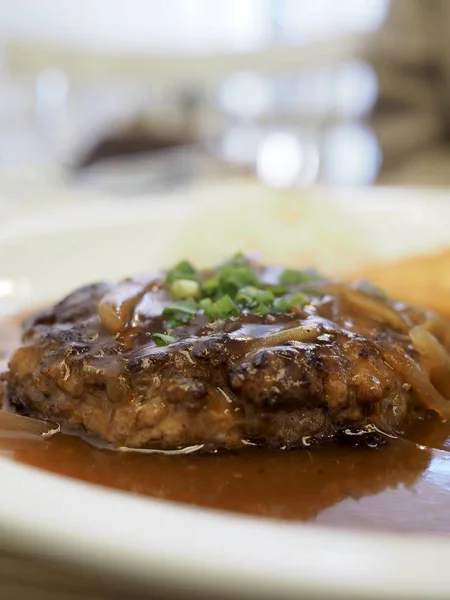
x: 266, y: 557
x: 389, y: 565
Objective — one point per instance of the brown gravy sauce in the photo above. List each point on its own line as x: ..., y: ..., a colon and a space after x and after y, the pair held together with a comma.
x: 401, y: 486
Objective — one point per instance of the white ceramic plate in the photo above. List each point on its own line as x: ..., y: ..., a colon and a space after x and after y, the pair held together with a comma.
x: 158, y: 543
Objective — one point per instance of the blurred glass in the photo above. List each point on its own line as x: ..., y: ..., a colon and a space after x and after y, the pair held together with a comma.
x: 303, y: 128
x: 292, y: 91
x: 351, y: 155
x: 310, y: 21
x: 187, y: 25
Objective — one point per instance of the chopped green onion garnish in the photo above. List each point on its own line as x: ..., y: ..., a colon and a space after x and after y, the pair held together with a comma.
x: 246, y: 296
x: 211, y: 311
x: 278, y: 290
x: 282, y: 305
x: 265, y: 297
x: 293, y: 277
x: 161, y: 339
x: 227, y: 306
x: 250, y: 291
x: 244, y: 300
x: 205, y: 302
x: 233, y: 288
x: 239, y: 259
x: 261, y: 309
x: 232, y: 278
x: 180, y: 313
x: 221, y: 309
x: 209, y: 287
x: 183, y: 270
x: 185, y: 288
x: 299, y: 299
x: 188, y: 307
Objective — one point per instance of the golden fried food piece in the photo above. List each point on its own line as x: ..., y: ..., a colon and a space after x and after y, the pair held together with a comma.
x: 422, y: 281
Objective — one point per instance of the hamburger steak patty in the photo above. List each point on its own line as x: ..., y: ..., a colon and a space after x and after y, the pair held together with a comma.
x: 164, y: 361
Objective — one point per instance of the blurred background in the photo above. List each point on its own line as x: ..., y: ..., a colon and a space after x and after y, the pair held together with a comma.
x: 131, y: 96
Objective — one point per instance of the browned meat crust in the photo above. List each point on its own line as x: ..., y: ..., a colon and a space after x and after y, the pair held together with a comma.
x: 288, y: 380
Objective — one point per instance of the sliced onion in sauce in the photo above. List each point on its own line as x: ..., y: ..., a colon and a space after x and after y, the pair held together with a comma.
x: 186, y: 450
x: 303, y: 333
x: 116, y: 307
x: 413, y: 374
x: 440, y: 328
x: 376, y: 308
x: 436, y: 357
x: 18, y: 424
